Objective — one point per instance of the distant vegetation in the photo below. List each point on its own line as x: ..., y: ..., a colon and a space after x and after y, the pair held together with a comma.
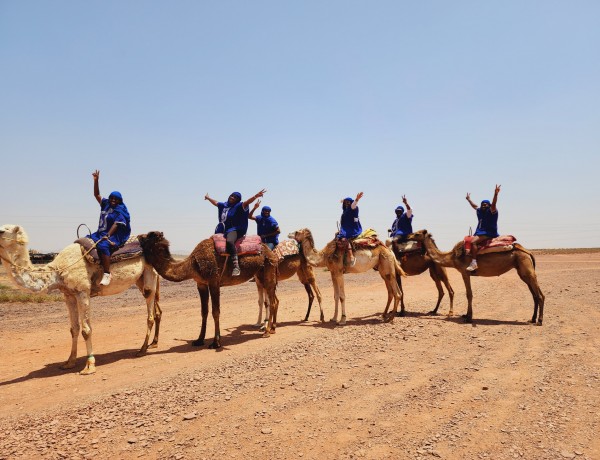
x: 8, y: 294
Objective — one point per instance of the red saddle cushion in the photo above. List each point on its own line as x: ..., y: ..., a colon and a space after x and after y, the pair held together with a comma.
x: 249, y: 244
x: 502, y: 240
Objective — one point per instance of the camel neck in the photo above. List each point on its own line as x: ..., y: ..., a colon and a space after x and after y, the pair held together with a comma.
x: 312, y: 256
x: 439, y: 257
x: 25, y: 275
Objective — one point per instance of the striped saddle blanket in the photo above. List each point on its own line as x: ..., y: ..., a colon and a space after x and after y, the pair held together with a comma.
x: 130, y: 250
x: 498, y: 244
x: 249, y: 244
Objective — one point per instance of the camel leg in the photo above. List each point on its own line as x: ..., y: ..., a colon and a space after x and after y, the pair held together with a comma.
x: 271, y: 325
x: 147, y: 287
x: 204, y: 295
x: 527, y: 274
x: 390, y: 292
x: 342, y: 296
x: 402, y: 311
x: 83, y: 301
x: 319, y: 298
x: 443, y: 275
x: 438, y: 284
x: 215, y: 297
x: 71, y: 302
x: 311, y: 298
x: 467, y: 281
x: 336, y: 296
x: 261, y: 302
x: 157, y: 314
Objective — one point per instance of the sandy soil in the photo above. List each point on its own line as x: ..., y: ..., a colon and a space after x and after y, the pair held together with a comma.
x: 421, y: 387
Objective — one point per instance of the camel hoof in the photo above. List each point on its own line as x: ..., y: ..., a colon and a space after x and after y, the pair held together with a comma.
x: 153, y: 345
x: 432, y: 313
x: 259, y: 325
x: 322, y: 318
x: 198, y: 343
x: 140, y: 353
x: 342, y: 322
x: 389, y: 318
x: 90, y: 367
x: 214, y: 346
x: 401, y: 313
x: 333, y: 320
x: 67, y: 365
x: 468, y: 320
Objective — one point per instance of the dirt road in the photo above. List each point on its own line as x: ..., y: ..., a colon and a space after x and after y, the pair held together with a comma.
x: 421, y: 387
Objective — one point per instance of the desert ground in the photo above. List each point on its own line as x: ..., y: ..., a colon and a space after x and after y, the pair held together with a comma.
x: 420, y: 387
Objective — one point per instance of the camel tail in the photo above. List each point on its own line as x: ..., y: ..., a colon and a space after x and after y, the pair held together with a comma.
x: 521, y: 248
x: 399, y: 271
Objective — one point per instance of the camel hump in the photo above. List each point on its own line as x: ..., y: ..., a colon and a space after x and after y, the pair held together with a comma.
x: 246, y: 245
x: 130, y: 250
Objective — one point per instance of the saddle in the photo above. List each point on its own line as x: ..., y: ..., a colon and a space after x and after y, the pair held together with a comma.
x: 499, y: 244
x: 367, y: 240
x: 405, y: 247
x: 287, y: 248
x: 246, y: 245
x: 130, y: 250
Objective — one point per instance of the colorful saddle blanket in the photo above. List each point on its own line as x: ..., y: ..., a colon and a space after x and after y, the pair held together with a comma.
x: 249, y: 244
x: 367, y: 239
x: 287, y: 248
x: 498, y: 244
x: 130, y: 250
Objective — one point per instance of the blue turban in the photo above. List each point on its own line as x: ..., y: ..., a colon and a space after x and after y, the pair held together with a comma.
x: 238, y: 195
x: 266, y: 208
x: 486, y: 201
x: 399, y: 208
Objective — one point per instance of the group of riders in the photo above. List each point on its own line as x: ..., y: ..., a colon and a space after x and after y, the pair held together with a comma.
x: 114, y: 226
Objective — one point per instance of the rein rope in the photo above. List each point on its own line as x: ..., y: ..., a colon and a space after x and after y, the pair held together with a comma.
x: 53, y: 269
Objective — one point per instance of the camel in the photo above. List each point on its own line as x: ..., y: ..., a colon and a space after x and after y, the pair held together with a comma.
x: 78, y: 279
x: 490, y: 264
x: 287, y: 268
x: 211, y: 272
x: 415, y: 263
x: 379, y: 257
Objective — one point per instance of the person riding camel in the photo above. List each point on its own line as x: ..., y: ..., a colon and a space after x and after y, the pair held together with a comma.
x: 233, y: 222
x: 114, y: 227
x: 266, y: 226
x: 402, y: 226
x: 350, y: 226
x: 487, y: 225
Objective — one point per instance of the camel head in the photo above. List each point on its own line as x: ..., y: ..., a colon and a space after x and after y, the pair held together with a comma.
x: 419, y: 235
x: 302, y: 235
x: 155, y: 246
x: 11, y: 235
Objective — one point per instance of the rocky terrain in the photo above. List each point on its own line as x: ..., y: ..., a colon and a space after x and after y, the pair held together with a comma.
x: 421, y: 387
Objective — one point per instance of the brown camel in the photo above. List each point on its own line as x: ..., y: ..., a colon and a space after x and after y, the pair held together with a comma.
x: 415, y: 263
x: 378, y: 257
x: 287, y: 268
x: 490, y: 264
x: 207, y: 269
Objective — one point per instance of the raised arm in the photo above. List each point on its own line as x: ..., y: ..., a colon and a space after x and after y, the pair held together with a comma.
x: 408, y: 208
x: 96, y: 176
x: 473, y: 205
x: 254, y: 208
x: 495, y: 200
x: 254, y: 197
x: 354, y: 204
x: 212, y: 200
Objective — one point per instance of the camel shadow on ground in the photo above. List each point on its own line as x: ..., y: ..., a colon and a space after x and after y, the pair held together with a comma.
x: 234, y: 336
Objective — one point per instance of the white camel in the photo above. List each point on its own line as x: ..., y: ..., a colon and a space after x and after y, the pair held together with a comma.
x: 78, y: 279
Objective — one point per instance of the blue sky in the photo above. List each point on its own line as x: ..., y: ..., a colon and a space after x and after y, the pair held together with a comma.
x: 313, y: 101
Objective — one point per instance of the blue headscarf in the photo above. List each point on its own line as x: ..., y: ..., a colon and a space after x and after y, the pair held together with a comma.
x: 351, y: 200
x: 121, y: 208
x: 264, y: 209
x: 486, y: 201
x: 238, y: 195
x: 399, y: 208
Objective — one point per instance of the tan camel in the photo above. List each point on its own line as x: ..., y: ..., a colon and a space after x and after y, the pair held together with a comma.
x: 207, y: 269
x: 490, y: 264
x: 287, y: 268
x: 78, y: 279
x: 379, y: 257
x: 415, y: 263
